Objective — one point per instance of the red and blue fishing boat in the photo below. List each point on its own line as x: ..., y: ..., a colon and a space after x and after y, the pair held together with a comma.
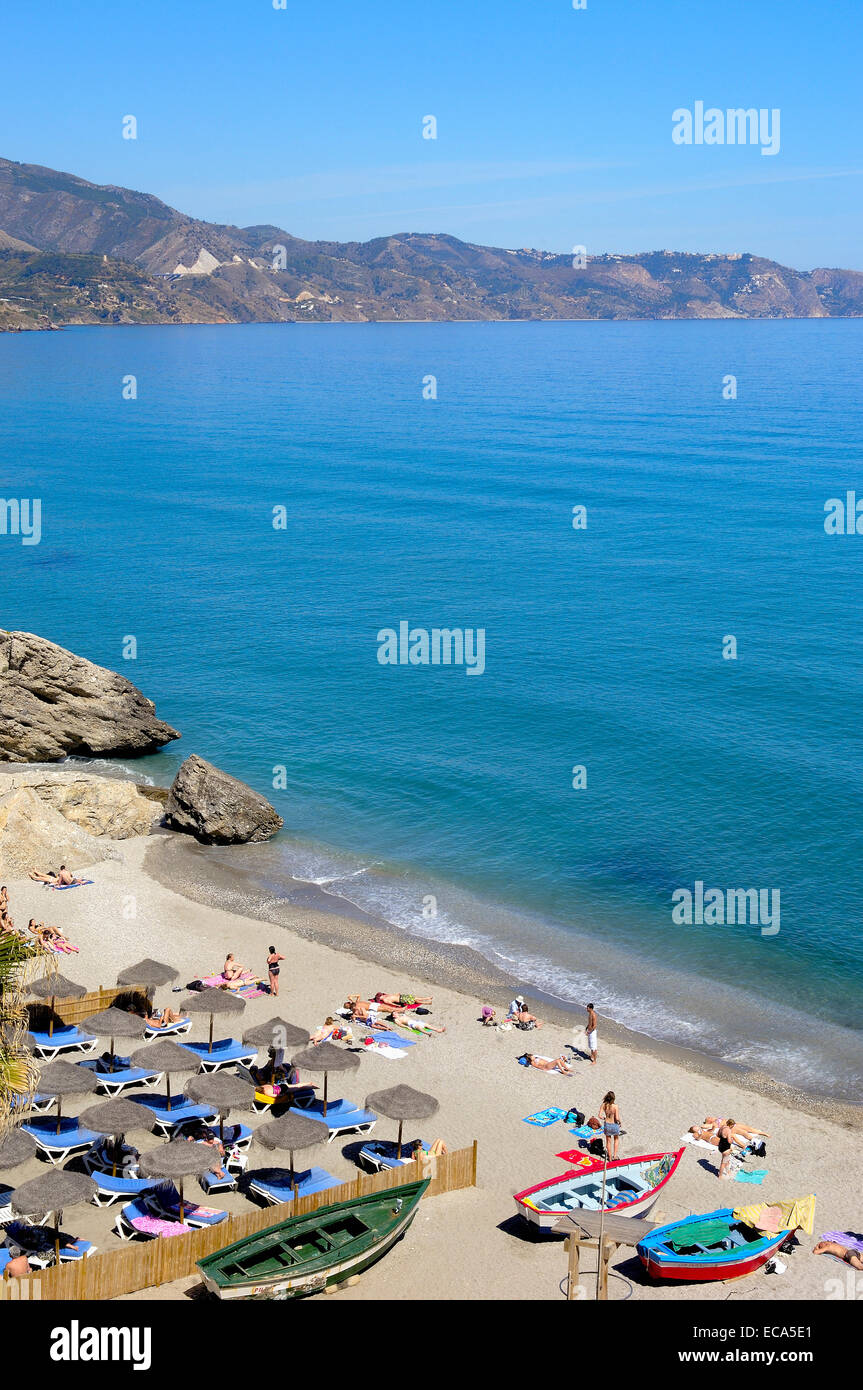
x: 716, y: 1245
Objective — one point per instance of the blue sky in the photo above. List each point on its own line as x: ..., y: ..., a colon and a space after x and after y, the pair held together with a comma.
x: 554, y: 124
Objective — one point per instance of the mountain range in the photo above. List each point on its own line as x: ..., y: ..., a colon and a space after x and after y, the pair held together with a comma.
x: 73, y: 252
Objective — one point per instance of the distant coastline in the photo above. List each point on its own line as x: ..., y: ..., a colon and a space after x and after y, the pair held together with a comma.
x: 78, y: 253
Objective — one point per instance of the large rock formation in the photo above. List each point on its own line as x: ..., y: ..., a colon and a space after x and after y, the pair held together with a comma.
x: 216, y: 808
x: 53, y: 703
x: 34, y: 835
x: 108, y: 806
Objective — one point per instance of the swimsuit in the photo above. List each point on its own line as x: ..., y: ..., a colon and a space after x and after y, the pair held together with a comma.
x: 274, y: 969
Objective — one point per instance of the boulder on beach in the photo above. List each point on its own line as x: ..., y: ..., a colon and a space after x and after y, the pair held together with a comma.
x: 35, y: 835
x: 53, y: 703
x: 218, y: 809
x: 109, y: 806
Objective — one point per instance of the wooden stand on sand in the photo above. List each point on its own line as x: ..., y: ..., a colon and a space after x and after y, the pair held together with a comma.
x: 582, y: 1231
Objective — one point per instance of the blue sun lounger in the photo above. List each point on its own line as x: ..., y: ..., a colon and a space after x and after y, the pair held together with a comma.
x: 6, y: 1194
x: 65, y: 1038
x: 37, y: 1242
x: 114, y: 1083
x: 381, y: 1154
x: 164, y: 1201
x: 274, y: 1184
x: 116, y: 1189
x: 72, y: 1139
x: 136, y: 1221
x: 225, y: 1052
x: 37, y: 1105
x: 342, y: 1117
x: 170, y: 1030
x: 181, y: 1109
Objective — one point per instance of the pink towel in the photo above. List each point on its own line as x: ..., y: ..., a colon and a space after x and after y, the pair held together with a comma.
x: 154, y: 1226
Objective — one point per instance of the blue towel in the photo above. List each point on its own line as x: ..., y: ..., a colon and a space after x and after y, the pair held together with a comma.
x: 585, y: 1132
x: 757, y: 1175
x: 549, y: 1116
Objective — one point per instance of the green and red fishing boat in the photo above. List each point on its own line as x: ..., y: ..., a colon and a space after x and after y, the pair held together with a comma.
x: 306, y: 1253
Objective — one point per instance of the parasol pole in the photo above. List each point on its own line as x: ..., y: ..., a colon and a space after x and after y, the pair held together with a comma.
x: 601, y: 1221
x: 399, y: 1145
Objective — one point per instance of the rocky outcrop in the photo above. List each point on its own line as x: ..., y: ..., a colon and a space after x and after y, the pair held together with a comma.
x: 107, y: 806
x: 53, y: 703
x: 216, y: 808
x: 35, y: 835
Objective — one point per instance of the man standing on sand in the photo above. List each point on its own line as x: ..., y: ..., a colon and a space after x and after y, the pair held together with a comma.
x: 590, y: 1029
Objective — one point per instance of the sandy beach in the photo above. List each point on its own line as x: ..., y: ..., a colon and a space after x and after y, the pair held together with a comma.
x: 483, y: 1094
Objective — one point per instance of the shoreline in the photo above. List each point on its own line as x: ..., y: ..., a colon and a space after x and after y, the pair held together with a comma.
x: 137, y: 907
x: 170, y: 860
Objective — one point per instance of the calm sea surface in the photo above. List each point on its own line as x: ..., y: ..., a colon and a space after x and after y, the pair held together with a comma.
x: 442, y: 802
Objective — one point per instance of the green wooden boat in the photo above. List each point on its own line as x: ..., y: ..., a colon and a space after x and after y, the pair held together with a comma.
x: 305, y: 1253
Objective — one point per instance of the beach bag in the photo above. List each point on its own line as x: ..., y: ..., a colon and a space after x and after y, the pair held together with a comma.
x: 574, y: 1117
x: 596, y: 1147
x: 594, y: 1123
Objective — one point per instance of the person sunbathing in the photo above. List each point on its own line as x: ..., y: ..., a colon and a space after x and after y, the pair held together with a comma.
x: 844, y: 1252
x: 402, y: 1001
x: 18, y: 1267
x: 49, y: 937
x: 362, y: 1011
x: 408, y: 1021
x: 39, y: 877
x: 232, y: 970
x: 160, y: 1018
x: 549, y: 1063
x: 331, y: 1030
x: 741, y: 1134
x: 519, y: 1015
x: 202, y: 1134
x: 65, y: 878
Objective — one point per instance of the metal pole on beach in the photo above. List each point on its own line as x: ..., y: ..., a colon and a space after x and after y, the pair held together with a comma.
x: 600, y: 1251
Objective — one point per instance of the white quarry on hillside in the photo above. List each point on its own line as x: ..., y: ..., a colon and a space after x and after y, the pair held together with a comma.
x: 204, y: 265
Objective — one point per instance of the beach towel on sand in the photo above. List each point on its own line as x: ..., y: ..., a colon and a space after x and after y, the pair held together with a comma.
x: 688, y: 1138
x: 545, y: 1117
x: 58, y: 887
x: 757, y: 1175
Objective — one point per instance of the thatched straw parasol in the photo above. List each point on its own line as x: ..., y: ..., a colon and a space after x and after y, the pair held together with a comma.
x: 115, y: 1117
x: 165, y: 1056
x: 179, y: 1159
x: 115, y: 1023
x: 149, y: 973
x: 15, y: 1148
x: 276, y: 1034
x: 56, y: 987
x: 292, y: 1132
x: 212, y: 1001
x: 402, y: 1103
x: 51, y: 1193
x: 224, y: 1092
x: 65, y: 1079
x: 326, y: 1057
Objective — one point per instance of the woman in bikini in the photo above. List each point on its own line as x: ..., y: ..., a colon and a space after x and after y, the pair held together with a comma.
x: 609, y: 1113
x: 549, y: 1063
x: 232, y: 971
x: 273, y: 968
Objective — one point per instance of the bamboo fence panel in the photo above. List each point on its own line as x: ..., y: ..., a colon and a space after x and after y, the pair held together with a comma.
x: 145, y: 1264
x: 74, y: 1011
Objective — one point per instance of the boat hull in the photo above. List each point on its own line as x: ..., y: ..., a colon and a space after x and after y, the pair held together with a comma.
x: 303, y: 1281
x: 579, y: 1185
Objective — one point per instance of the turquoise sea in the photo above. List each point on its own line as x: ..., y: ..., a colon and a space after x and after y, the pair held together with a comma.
x: 441, y: 802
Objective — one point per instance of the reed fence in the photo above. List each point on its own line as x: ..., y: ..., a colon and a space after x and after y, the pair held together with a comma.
x: 74, y: 1011
x: 145, y: 1264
